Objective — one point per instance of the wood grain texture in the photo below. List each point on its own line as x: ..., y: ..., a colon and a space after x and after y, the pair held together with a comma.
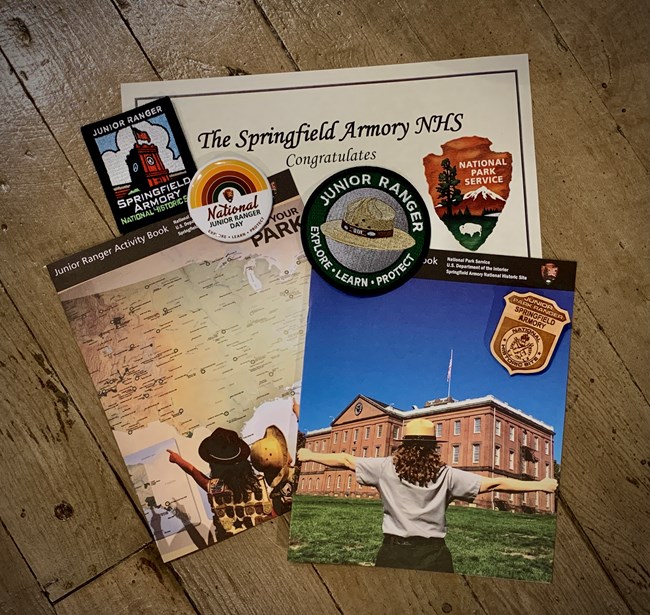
x: 228, y: 38
x: 251, y: 575
x: 61, y: 503
x: 44, y: 216
x: 71, y: 58
x: 610, y: 42
x: 140, y: 584
x: 605, y: 473
x: 19, y: 591
x: 592, y: 159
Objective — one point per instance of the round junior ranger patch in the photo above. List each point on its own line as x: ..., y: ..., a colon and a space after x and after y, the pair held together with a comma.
x: 366, y: 230
x: 230, y: 199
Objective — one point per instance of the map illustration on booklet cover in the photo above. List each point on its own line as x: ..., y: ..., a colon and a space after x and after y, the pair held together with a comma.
x: 195, y: 349
x: 433, y: 439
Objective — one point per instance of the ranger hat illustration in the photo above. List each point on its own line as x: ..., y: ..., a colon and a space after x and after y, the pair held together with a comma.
x: 420, y: 431
x: 223, y: 446
x: 368, y: 223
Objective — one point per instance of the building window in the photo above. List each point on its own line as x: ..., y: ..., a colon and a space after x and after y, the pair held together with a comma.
x: 477, y: 425
x: 497, y: 455
x: 366, y: 432
x: 536, y: 443
x: 537, y: 498
x: 376, y: 451
x: 511, y: 460
x: 523, y: 497
x: 345, y: 436
x: 395, y: 432
x: 546, y: 447
x: 512, y: 497
x: 457, y: 428
x: 548, y: 500
x: 536, y: 469
x: 512, y: 433
x: 338, y: 481
x: 497, y: 427
x: 379, y: 429
x: 309, y: 485
x: 302, y: 485
x: 523, y: 467
x: 329, y: 481
x: 525, y: 438
x: 547, y: 470
x: 349, y: 483
x: 476, y: 452
x: 438, y: 430
x: 355, y: 435
x: 317, y: 484
x: 365, y: 451
x: 336, y: 437
x: 455, y: 455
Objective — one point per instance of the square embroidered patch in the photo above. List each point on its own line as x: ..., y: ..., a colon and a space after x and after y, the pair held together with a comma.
x: 144, y: 163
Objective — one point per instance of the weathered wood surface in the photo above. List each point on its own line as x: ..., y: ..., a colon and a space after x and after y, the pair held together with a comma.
x: 62, y: 67
x: 139, y: 584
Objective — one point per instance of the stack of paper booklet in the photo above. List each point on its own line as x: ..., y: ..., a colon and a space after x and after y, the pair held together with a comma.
x: 415, y: 427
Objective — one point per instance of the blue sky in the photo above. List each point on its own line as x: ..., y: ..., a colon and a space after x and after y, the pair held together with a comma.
x: 396, y: 347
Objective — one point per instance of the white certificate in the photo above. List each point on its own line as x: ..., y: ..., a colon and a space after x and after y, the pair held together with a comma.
x: 459, y: 131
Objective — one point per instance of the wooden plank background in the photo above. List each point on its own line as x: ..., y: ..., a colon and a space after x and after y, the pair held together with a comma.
x: 72, y: 540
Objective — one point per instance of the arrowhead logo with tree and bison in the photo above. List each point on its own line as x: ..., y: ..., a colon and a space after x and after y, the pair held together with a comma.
x: 469, y: 185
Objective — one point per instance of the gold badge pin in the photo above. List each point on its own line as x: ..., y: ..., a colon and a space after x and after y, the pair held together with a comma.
x: 527, y: 333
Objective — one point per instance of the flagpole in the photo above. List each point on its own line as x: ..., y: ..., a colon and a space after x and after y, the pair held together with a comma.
x: 451, y: 360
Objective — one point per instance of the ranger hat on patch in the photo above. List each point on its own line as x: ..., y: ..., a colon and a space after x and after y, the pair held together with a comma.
x: 420, y: 431
x: 368, y: 223
x: 223, y: 446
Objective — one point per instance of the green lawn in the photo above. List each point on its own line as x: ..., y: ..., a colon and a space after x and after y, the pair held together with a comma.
x: 482, y: 542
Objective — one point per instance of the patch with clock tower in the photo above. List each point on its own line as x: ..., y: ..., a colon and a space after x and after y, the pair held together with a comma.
x: 144, y: 163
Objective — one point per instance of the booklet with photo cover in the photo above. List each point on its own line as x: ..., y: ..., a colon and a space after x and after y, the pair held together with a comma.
x: 195, y: 349
x: 460, y: 131
x: 432, y: 419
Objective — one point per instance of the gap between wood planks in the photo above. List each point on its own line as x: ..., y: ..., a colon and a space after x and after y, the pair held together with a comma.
x: 276, y: 34
x: 592, y: 549
x: 135, y: 38
x: 327, y: 589
x: 6, y: 530
x: 559, y: 38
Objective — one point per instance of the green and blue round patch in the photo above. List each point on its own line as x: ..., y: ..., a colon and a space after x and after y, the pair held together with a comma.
x: 366, y: 230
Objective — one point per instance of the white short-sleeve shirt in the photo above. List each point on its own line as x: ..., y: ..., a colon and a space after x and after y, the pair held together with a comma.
x: 410, y: 510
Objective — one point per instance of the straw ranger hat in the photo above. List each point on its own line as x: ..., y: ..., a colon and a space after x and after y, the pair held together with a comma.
x: 420, y: 431
x: 223, y: 446
x: 368, y: 223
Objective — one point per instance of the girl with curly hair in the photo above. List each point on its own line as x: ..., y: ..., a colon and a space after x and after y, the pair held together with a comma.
x: 415, y: 488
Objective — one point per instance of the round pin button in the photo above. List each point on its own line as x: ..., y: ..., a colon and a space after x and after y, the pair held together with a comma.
x: 230, y: 199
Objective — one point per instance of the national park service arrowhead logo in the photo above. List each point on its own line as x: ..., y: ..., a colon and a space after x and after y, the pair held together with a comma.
x: 469, y: 185
x: 527, y: 333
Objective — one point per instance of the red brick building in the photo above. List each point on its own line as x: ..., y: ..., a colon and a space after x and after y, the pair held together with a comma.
x: 482, y: 435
